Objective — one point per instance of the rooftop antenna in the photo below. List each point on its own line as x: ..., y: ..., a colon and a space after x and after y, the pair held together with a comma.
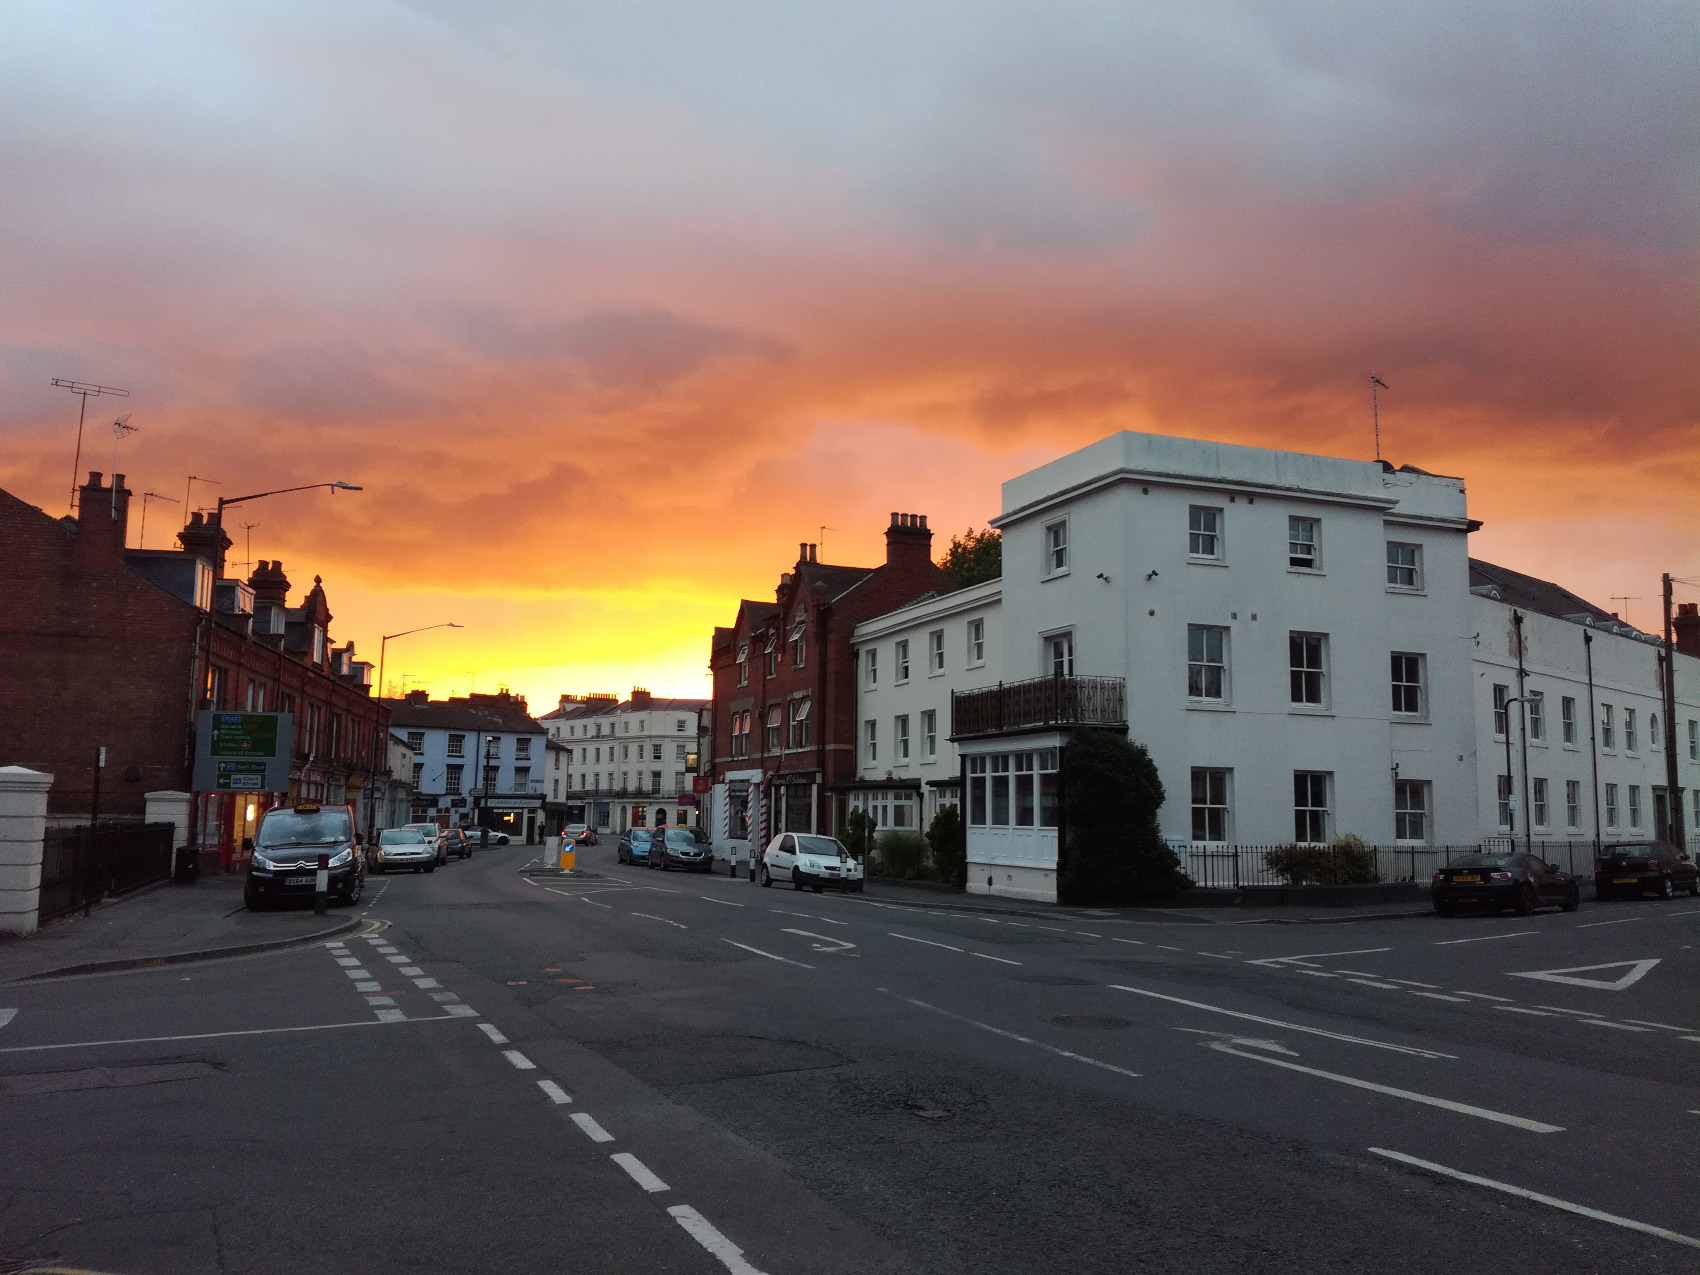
x: 1626, y: 600
x: 120, y: 428
x: 822, y: 546
x: 85, y: 390
x: 1376, y: 384
x: 188, y: 486
x: 248, y: 544
x: 147, y: 496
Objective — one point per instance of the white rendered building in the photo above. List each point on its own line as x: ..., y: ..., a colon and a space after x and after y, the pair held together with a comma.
x: 630, y: 764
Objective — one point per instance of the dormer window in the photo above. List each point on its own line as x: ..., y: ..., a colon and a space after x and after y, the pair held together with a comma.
x: 318, y: 644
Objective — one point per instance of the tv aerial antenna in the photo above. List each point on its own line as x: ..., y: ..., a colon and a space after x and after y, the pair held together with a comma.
x: 84, y: 390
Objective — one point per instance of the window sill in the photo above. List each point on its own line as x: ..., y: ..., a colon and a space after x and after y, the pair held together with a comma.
x: 1411, y: 719
x: 1306, y: 571
x: 976, y: 664
x: 1053, y: 575
x: 1300, y: 711
x: 1204, y: 562
x: 1205, y: 706
x: 1411, y: 593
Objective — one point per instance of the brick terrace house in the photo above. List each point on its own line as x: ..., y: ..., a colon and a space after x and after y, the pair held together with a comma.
x: 784, y: 708
x: 105, y: 646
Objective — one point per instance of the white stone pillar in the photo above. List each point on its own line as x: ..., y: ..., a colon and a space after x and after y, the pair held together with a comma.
x: 23, y: 823
x: 172, y: 808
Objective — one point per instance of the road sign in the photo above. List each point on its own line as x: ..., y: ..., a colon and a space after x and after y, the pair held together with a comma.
x: 1634, y: 972
x: 243, y: 752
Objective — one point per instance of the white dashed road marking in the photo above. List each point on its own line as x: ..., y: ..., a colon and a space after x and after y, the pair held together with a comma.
x: 519, y: 1060
x: 770, y: 956
x: 639, y: 1171
x: 646, y: 916
x: 1025, y: 1040
x: 556, y: 1094
x: 594, y: 1131
x: 1275, y: 1022
x: 493, y: 1032
x: 702, y: 1231
x: 1483, y: 938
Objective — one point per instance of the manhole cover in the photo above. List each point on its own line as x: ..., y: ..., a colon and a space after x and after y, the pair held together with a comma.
x: 1093, y: 1022
x: 1052, y: 980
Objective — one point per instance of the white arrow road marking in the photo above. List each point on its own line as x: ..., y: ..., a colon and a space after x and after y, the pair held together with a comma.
x: 1276, y: 1022
x: 7, y: 1015
x: 838, y: 945
x: 1536, y: 1196
x: 1634, y: 973
x: 1463, y: 1108
x: 770, y: 956
x: 1306, y: 956
x: 1254, y: 1042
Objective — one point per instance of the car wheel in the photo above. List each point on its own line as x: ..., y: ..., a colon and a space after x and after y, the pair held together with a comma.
x: 1525, y: 901
x: 351, y: 896
x: 1444, y: 909
x: 1694, y: 886
x: 817, y: 889
x: 251, y: 897
x: 430, y: 867
x: 766, y: 880
x: 1572, y: 900
x: 1666, y: 891
x: 796, y: 880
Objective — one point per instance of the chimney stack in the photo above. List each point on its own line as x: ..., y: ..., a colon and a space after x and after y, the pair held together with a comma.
x: 205, y: 538
x: 103, y: 516
x: 640, y: 697
x: 1685, y: 626
x: 908, y: 543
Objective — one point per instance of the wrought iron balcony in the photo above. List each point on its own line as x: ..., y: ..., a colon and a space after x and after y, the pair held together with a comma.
x: 1040, y: 702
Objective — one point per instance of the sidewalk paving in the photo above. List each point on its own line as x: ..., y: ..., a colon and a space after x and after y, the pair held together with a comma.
x: 163, y: 925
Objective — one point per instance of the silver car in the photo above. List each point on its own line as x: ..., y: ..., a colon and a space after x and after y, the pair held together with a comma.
x: 402, y: 848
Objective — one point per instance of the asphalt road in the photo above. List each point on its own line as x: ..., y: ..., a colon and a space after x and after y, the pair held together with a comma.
x: 648, y: 1072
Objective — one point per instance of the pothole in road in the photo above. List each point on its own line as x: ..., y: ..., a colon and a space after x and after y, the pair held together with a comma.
x: 1089, y: 1022
x: 1053, y: 980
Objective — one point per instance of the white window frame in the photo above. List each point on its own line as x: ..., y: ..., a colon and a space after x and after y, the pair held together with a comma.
x: 1567, y: 720
x: 1535, y: 711
x: 1608, y: 731
x: 1319, y: 705
x: 900, y: 662
x: 1398, y: 684
x: 1414, y: 566
x: 1209, y: 802
x: 871, y: 667
x: 900, y: 737
x: 935, y: 653
x: 1611, y: 805
x: 1048, y: 646
x: 1204, y: 533
x: 1198, y: 659
x: 1501, y: 710
x: 1631, y: 736
x: 1572, y: 803
x: 976, y: 642
x: 1056, y: 546
x: 1297, y: 543
x: 1540, y: 811
x: 1634, y: 805
x: 1403, y: 811
x: 929, y: 734
x: 1308, y: 811
x: 871, y: 740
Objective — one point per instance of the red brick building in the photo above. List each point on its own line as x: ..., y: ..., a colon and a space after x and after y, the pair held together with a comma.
x: 103, y: 646
x: 784, y: 739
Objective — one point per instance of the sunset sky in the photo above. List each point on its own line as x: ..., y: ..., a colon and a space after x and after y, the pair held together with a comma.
x: 607, y: 306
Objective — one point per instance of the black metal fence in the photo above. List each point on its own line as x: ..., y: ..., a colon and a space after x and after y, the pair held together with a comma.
x: 1039, y: 701
x: 1235, y: 866
x: 82, y: 865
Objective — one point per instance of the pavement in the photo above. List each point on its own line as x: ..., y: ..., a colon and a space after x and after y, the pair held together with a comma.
x: 636, y: 1071
x: 164, y: 924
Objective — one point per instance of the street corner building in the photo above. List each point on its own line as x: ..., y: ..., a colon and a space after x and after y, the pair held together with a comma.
x: 784, y: 712
x: 617, y: 764
x: 111, y: 651
x: 478, y: 762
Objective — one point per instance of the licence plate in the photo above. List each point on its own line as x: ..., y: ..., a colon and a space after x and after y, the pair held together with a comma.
x: 298, y: 880
x: 1477, y: 880
x: 1626, y: 881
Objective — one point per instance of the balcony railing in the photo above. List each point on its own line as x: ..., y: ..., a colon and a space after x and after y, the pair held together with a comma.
x: 1039, y: 702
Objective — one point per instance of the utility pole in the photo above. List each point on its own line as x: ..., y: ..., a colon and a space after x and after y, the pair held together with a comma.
x: 1673, y: 793
x: 84, y: 390
x: 1523, y: 733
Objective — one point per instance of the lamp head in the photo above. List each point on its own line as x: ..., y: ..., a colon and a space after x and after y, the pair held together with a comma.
x: 342, y: 486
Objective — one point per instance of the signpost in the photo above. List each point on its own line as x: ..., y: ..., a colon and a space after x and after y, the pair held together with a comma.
x: 243, y: 752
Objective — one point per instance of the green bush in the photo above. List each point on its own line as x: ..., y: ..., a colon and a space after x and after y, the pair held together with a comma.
x: 1347, y: 860
x: 945, y: 844
x: 1112, y: 794
x: 858, y: 835
x: 899, y: 855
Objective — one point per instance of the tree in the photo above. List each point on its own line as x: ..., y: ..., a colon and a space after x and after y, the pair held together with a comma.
x: 858, y: 837
x: 944, y: 840
x: 1112, y: 794
x: 974, y: 557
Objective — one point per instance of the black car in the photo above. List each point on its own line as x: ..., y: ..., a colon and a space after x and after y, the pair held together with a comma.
x: 1632, y: 868
x: 1521, y: 882
x: 677, y: 848
x: 634, y: 846
x: 456, y: 844
x: 287, y: 849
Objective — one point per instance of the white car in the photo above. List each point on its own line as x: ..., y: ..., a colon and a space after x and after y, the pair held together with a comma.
x: 804, y: 859
x: 400, y: 848
x: 433, y: 838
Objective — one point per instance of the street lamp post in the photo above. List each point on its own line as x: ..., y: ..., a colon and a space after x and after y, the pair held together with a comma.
x: 1510, y: 780
x: 383, y: 646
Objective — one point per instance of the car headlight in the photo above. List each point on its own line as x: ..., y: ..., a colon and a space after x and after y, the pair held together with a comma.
x: 261, y: 862
x: 347, y: 856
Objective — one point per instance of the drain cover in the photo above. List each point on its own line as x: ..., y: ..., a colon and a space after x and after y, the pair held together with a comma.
x: 1053, y: 980
x: 1094, y: 1022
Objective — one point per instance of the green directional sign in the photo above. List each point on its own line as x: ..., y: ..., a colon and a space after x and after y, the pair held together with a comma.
x: 243, y: 752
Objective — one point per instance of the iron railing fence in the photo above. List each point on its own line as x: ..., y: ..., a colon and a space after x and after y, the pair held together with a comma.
x: 1239, y: 866
x: 1038, y: 702
x: 82, y: 865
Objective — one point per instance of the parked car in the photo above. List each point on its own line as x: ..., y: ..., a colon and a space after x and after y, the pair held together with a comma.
x: 287, y: 847
x: 456, y: 844
x: 804, y: 859
x: 580, y: 834
x: 1521, y: 882
x: 432, y: 834
x: 496, y: 837
x: 1633, y: 868
x: 634, y: 847
x: 677, y: 848
x: 403, y: 848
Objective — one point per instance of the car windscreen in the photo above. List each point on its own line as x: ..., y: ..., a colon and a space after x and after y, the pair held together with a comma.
x: 305, y: 828
x: 401, y: 837
x: 639, y: 834
x: 1642, y: 851
x: 820, y: 845
x: 681, y: 837
x: 1480, y: 861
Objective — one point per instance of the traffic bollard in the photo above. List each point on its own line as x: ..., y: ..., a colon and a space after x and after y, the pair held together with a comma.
x: 322, y: 885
